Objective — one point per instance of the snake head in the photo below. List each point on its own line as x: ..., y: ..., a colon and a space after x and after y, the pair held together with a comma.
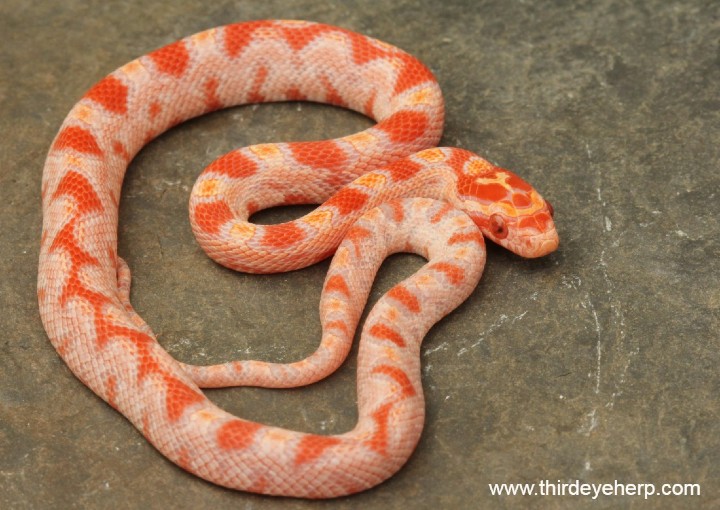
x: 507, y: 209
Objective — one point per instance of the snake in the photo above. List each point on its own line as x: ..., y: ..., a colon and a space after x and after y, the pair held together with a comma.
x: 386, y: 189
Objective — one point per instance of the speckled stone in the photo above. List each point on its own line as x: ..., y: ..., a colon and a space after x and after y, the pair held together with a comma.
x: 597, y: 363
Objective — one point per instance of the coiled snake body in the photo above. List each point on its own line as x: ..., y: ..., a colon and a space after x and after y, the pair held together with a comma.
x: 383, y: 190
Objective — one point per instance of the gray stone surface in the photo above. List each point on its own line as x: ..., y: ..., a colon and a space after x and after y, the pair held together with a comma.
x: 598, y: 363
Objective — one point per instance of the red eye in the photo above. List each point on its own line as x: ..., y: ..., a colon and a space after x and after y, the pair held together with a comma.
x: 497, y: 226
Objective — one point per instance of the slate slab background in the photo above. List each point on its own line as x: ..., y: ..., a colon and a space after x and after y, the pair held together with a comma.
x: 598, y: 363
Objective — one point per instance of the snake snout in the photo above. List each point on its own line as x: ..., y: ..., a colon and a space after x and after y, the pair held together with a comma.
x: 544, y: 244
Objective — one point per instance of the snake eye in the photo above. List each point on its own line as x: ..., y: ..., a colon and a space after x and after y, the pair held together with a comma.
x: 550, y: 208
x: 498, y: 227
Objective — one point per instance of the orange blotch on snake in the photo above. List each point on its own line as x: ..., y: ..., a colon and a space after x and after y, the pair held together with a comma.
x: 282, y: 235
x: 74, y: 287
x: 404, y: 126
x: 399, y: 376
x: 404, y: 296
x: 363, y: 50
x: 142, y: 342
x: 379, y: 441
x: 300, y: 36
x: 77, y: 186
x: 322, y: 154
x: 398, y: 211
x: 462, y: 237
x: 234, y: 164
x: 172, y: 59
x: 348, y: 200
x: 65, y: 240
x: 79, y: 139
x: 154, y: 110
x: 403, y: 169
x: 337, y: 283
x: 312, y: 446
x: 356, y: 235
x: 455, y: 274
x: 387, y: 333
x: 337, y: 325
x: 120, y: 150
x: 212, y: 100
x: 239, y: 35
x: 255, y: 96
x: 111, y: 93
x: 332, y: 95
x: 147, y: 363
x: 237, y: 434
x: 178, y: 397
x: 294, y: 94
x: 441, y: 213
x: 412, y: 74
x: 210, y: 216
x: 252, y: 207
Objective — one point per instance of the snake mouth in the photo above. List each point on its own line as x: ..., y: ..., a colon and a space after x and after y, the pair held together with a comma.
x: 529, y: 246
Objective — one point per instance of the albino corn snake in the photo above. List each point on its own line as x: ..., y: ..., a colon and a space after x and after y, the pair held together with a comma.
x: 383, y: 190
